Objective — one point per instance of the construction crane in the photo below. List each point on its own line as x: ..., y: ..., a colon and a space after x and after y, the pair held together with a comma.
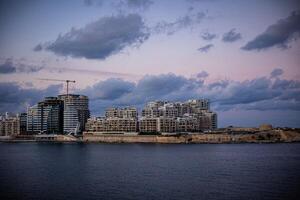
x: 67, y: 81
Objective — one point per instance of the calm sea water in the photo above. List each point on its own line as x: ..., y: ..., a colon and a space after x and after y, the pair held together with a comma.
x: 139, y: 171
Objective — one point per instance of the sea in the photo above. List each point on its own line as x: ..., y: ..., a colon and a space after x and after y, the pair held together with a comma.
x: 149, y: 171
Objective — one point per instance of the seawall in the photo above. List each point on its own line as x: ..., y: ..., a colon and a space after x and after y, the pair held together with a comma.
x: 261, y: 137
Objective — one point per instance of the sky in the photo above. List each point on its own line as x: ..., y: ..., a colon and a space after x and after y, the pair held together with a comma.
x: 242, y: 55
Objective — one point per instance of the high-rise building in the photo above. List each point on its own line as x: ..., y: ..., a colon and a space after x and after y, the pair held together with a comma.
x: 46, y: 117
x: 76, y: 112
x: 23, y: 123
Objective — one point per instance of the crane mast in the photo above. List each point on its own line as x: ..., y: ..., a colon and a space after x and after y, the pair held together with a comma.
x: 66, y: 81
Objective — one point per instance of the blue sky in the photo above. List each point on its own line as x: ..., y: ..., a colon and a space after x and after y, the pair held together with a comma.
x: 243, y: 55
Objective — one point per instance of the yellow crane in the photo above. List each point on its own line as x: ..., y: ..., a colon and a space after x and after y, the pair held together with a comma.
x: 66, y: 81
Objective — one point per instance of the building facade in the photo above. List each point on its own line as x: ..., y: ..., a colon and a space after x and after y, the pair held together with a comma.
x: 190, y: 116
x: 158, y: 117
x: 116, y: 120
x: 10, y: 126
x: 46, y: 117
x: 127, y: 112
x: 23, y: 123
x: 76, y: 112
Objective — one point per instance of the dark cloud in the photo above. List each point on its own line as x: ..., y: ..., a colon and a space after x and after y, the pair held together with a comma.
x: 202, y: 74
x: 276, y: 72
x: 225, y: 94
x: 155, y: 86
x: 100, y: 39
x: 109, y: 89
x: 231, y: 36
x: 264, y: 93
x: 283, y: 84
x: 15, y: 98
x: 38, y: 47
x: 279, y: 34
x: 110, y: 35
x: 10, y: 66
x: 205, y: 48
x: 7, y: 67
x: 208, y: 36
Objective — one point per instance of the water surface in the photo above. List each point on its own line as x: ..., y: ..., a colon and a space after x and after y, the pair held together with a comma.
x: 149, y: 171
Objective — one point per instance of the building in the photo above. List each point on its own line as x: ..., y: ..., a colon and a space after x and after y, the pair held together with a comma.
x: 10, y: 126
x: 190, y: 116
x: 167, y: 125
x: 116, y: 120
x: 76, y: 112
x: 23, y: 123
x: 46, y: 117
x: 112, y: 125
x: 157, y: 117
x: 149, y: 125
x: 127, y: 112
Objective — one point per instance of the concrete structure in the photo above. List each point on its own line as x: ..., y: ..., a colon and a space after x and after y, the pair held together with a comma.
x: 218, y: 138
x: 116, y: 120
x: 54, y: 138
x: 112, y: 125
x: 149, y: 125
x: 158, y: 117
x: 10, y: 126
x: 76, y: 112
x: 127, y: 112
x: 265, y: 127
x: 23, y: 123
x: 191, y: 116
x: 46, y: 117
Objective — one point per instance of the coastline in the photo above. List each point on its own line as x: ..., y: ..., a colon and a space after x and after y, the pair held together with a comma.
x: 272, y: 136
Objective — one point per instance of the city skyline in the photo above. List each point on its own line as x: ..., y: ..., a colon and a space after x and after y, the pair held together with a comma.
x: 243, y: 56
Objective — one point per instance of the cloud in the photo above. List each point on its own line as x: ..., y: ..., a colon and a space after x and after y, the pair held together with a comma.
x: 110, y: 35
x: 180, y: 23
x: 202, y: 74
x: 100, y: 39
x: 88, y: 2
x: 208, y: 36
x: 224, y: 94
x: 38, y: 47
x: 231, y: 36
x: 263, y: 93
x: 276, y: 72
x: 10, y: 66
x: 279, y: 34
x: 15, y: 98
x: 205, y: 48
x: 134, y: 4
x: 93, y: 2
x: 7, y: 67
x: 100, y: 73
x: 109, y: 89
